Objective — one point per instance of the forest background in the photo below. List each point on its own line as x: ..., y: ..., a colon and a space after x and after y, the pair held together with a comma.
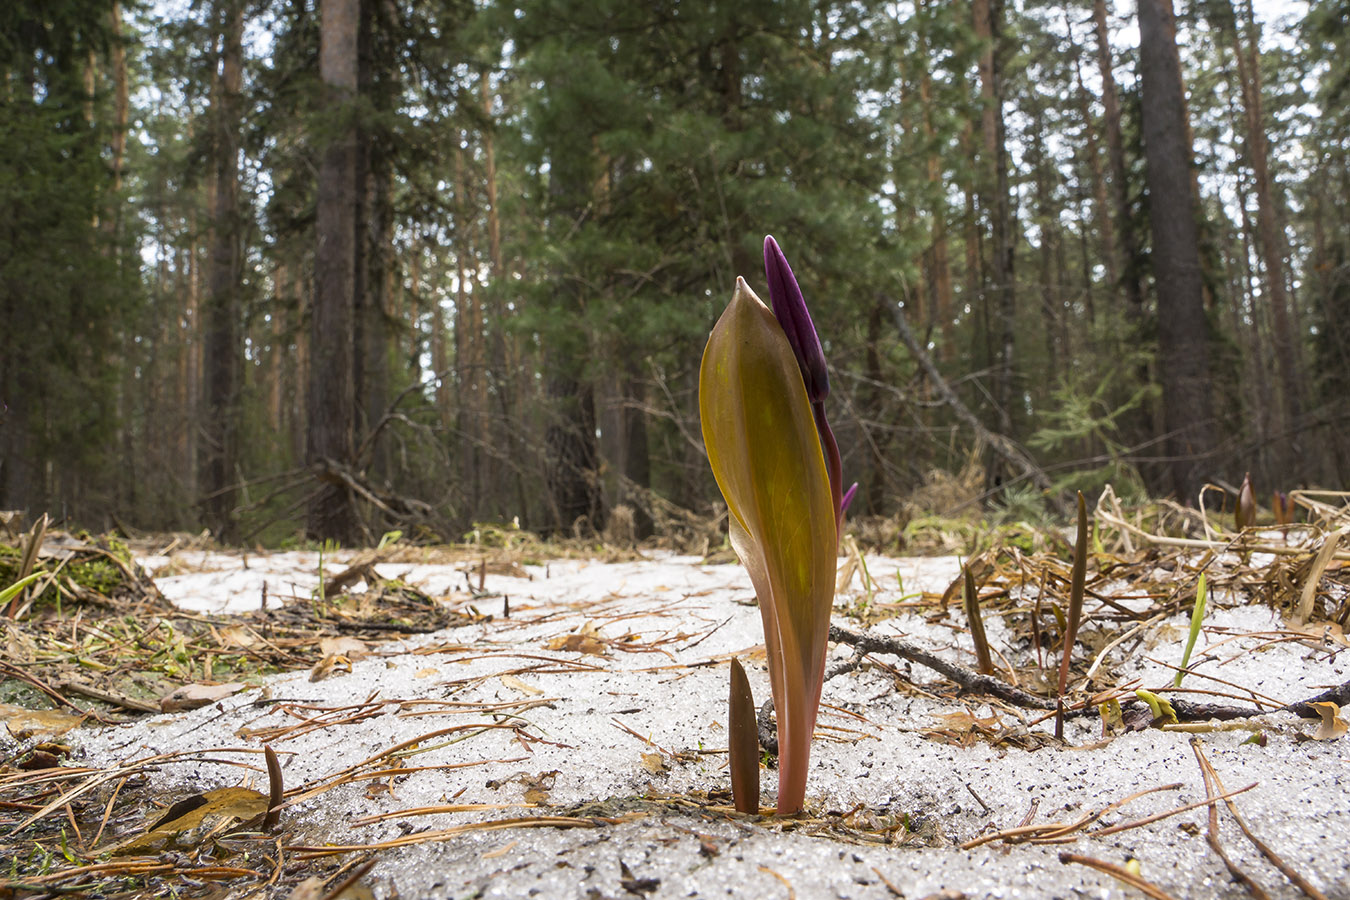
x: 288, y: 268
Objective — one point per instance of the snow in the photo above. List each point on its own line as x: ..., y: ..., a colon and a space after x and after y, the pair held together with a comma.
x: 647, y: 720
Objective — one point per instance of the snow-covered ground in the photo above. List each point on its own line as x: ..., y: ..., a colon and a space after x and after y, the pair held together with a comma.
x: 607, y: 684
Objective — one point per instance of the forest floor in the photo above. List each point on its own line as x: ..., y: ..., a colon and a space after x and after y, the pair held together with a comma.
x: 472, y: 722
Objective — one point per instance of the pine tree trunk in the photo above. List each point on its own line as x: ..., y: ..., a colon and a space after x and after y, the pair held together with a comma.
x: 1287, y: 349
x: 988, y: 15
x: 635, y: 486
x: 1049, y: 239
x: 1183, y: 360
x: 332, y: 399
x: 1115, y: 148
x: 121, y: 101
x: 469, y: 355
x: 936, y: 259
x: 222, y: 345
x: 1101, y: 208
x: 571, y: 456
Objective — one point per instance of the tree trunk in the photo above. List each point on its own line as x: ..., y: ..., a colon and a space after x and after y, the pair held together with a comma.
x: 1287, y: 349
x: 121, y: 101
x: 1046, y: 218
x: 1101, y: 208
x: 936, y: 262
x: 1115, y: 148
x: 490, y: 175
x: 1183, y: 360
x: 223, y: 350
x: 635, y: 485
x: 374, y: 241
x: 573, y: 463
x: 988, y: 15
x: 469, y: 355
x: 332, y: 400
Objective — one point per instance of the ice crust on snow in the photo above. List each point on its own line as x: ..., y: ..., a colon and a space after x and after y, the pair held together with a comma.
x: 682, y: 620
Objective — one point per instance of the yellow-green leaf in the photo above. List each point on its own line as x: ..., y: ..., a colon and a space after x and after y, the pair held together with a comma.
x: 223, y: 807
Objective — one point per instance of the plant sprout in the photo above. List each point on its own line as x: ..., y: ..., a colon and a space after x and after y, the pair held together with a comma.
x: 762, y: 387
x: 1197, y: 617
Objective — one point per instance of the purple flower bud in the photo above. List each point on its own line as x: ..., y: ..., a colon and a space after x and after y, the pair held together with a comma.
x: 789, y: 308
x: 848, y: 498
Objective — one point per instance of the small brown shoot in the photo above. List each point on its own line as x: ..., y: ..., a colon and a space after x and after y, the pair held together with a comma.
x: 276, y: 789
x: 1077, y: 584
x: 1245, y: 514
x: 743, y: 742
x: 970, y: 598
x: 1283, y: 507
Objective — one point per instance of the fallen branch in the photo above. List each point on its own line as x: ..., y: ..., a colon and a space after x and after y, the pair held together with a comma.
x: 1000, y: 444
x: 866, y: 642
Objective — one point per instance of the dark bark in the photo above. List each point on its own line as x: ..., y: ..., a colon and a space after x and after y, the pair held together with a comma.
x: 1046, y: 224
x: 1183, y: 361
x: 332, y: 401
x: 573, y: 461
x: 222, y: 347
x: 470, y: 359
x: 988, y: 16
x: 377, y: 81
x: 1288, y: 351
x: 1102, y: 210
x: 935, y: 260
x: 636, y: 465
x: 1115, y: 147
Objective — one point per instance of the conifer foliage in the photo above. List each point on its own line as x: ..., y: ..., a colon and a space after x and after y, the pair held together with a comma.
x: 326, y: 269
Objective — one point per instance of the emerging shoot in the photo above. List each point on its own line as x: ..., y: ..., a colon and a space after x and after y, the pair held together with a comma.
x: 1197, y: 617
x: 743, y: 742
x: 970, y: 596
x: 1077, y: 584
x: 761, y: 390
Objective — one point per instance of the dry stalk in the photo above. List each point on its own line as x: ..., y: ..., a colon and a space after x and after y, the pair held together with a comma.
x: 1118, y: 873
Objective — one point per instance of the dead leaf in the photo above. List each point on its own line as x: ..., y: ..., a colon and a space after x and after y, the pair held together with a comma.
x: 221, y: 808
x: 1327, y: 632
x: 312, y: 888
x: 350, y: 647
x: 195, y: 696
x: 1332, y: 725
x: 358, y: 891
x: 46, y: 755
x: 965, y: 720
x: 587, y: 641
x: 329, y: 665
x: 515, y: 683
x: 538, y: 786
x: 237, y: 636
x: 44, y: 723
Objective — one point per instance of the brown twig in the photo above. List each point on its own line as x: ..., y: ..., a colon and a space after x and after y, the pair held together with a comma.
x: 1288, y: 871
x: 357, y: 874
x: 1117, y: 873
x: 1212, y: 832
